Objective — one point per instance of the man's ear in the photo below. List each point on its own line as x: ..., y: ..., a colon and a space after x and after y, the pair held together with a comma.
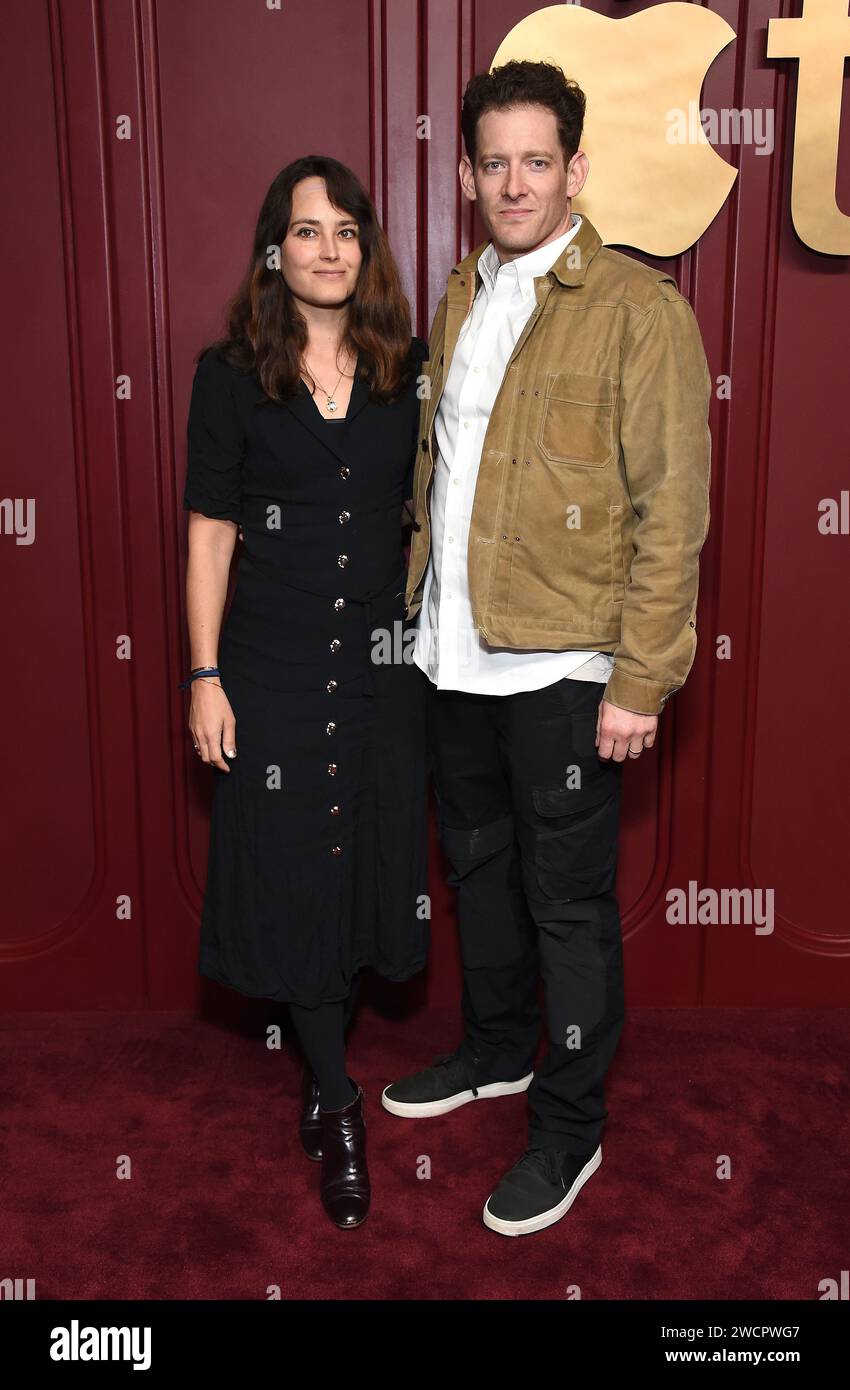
x: 577, y: 171
x: 467, y: 180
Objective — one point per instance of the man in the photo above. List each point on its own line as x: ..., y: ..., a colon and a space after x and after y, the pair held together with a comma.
x: 561, y: 495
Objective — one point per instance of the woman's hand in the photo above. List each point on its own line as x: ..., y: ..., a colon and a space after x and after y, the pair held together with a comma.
x: 212, y: 722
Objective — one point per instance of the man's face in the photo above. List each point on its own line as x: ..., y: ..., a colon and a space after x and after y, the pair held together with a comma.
x: 520, y: 184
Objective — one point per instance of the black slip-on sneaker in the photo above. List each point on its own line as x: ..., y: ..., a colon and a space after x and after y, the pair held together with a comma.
x: 453, y: 1080
x: 538, y: 1190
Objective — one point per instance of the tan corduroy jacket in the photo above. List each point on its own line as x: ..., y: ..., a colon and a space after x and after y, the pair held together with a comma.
x: 591, y: 505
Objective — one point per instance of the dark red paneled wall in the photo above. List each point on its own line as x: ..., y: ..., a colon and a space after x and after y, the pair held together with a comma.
x: 119, y: 256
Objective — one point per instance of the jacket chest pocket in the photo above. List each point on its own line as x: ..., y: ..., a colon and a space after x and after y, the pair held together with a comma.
x: 577, y: 422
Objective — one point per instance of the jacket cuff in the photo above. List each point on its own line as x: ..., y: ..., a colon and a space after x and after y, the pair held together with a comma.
x: 635, y: 694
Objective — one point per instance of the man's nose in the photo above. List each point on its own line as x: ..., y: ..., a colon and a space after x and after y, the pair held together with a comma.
x: 515, y: 183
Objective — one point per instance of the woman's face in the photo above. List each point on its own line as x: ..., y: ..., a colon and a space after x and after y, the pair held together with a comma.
x: 320, y: 254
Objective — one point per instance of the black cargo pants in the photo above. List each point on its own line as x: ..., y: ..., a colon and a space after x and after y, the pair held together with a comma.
x: 528, y: 820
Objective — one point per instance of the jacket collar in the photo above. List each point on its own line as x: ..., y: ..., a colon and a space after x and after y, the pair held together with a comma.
x: 569, y: 269
x: 338, y: 440
x: 522, y: 270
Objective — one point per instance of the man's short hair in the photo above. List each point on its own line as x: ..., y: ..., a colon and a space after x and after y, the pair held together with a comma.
x: 520, y: 83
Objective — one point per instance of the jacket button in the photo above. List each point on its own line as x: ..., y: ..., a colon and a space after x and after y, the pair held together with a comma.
x: 331, y: 687
x: 332, y: 769
x: 344, y: 471
x: 336, y: 644
x: 504, y: 537
x: 344, y: 517
x: 339, y: 603
x: 337, y: 849
x: 330, y: 727
x: 342, y: 561
x: 425, y: 444
x: 334, y: 810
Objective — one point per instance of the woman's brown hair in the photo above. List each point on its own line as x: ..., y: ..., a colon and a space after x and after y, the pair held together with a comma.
x: 266, y: 331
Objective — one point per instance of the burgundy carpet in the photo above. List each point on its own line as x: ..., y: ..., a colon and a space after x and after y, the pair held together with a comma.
x: 222, y: 1203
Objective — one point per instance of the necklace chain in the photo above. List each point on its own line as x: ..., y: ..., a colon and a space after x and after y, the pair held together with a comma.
x: 329, y: 397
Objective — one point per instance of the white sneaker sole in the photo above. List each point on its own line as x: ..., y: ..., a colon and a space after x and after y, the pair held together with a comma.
x: 546, y: 1218
x: 411, y: 1110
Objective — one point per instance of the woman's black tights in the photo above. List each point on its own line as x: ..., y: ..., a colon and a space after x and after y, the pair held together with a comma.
x: 321, y: 1032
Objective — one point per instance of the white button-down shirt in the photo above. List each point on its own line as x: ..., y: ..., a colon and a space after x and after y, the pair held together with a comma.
x: 448, y: 646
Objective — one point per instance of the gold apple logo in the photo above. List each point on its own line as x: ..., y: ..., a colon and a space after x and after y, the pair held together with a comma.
x: 820, y: 38
x: 642, y: 189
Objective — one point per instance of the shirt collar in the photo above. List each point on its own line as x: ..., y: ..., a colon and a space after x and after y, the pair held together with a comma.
x: 524, y: 269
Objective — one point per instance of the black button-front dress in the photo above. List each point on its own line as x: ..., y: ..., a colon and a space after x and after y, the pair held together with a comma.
x: 318, y: 839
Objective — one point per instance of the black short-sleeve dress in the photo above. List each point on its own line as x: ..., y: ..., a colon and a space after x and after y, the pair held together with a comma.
x: 318, y: 839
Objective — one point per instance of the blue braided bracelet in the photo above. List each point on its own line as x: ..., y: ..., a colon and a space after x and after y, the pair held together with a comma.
x: 201, y: 671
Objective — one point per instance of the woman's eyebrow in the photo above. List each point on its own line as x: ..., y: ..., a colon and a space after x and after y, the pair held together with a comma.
x: 315, y: 222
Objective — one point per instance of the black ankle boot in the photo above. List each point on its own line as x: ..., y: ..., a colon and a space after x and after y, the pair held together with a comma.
x: 310, y: 1127
x: 345, y: 1185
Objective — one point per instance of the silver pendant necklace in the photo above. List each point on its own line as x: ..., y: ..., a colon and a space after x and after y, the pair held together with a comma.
x: 332, y: 405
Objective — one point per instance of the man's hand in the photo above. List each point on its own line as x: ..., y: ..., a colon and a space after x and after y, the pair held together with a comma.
x: 621, y: 731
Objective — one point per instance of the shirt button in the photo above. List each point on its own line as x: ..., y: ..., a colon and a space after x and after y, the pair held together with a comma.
x: 331, y: 687
x: 330, y: 728
x: 451, y: 540
x: 344, y: 471
x: 337, y: 849
x: 342, y: 561
x: 344, y: 517
x: 335, y: 644
x: 456, y: 482
x: 339, y: 603
x: 332, y: 769
x: 334, y: 810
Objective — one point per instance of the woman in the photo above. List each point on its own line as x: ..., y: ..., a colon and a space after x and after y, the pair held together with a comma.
x: 302, y: 433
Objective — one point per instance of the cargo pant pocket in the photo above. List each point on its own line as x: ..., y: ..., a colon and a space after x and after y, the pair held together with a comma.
x: 575, y: 843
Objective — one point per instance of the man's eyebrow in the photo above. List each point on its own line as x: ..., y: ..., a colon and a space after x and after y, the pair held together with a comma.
x: 526, y: 154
